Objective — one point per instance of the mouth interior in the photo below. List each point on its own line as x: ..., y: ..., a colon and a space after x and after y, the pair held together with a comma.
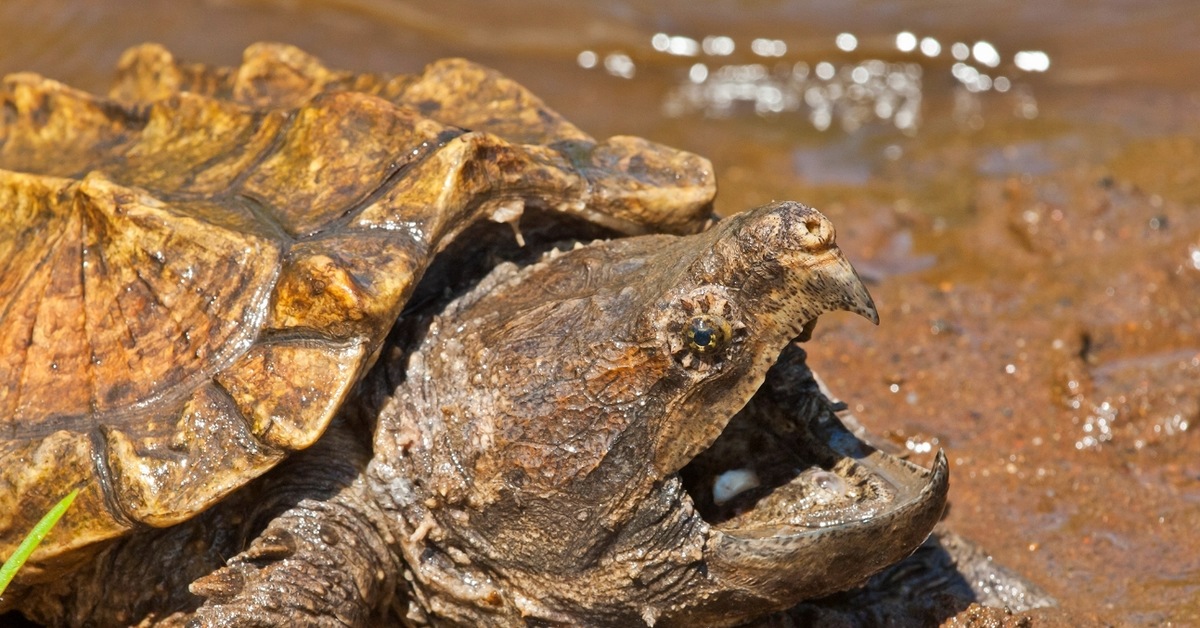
x: 785, y: 462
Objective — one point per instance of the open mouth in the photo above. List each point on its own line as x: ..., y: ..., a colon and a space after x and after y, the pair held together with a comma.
x: 792, y: 489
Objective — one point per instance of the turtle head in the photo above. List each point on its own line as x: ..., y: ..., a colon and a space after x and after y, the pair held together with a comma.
x: 734, y: 299
x: 627, y: 432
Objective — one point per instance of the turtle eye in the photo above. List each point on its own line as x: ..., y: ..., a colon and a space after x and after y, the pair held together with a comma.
x: 706, y: 334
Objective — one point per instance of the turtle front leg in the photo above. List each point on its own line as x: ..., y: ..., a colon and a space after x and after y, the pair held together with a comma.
x: 323, y: 561
x: 320, y: 563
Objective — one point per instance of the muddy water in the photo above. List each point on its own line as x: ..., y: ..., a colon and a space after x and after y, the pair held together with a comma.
x: 1030, y: 224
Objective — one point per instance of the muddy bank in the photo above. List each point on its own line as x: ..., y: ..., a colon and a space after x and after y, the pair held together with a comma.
x: 1053, y: 349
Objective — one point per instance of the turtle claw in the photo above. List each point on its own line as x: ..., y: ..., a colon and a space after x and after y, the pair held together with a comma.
x: 221, y: 585
x: 272, y: 545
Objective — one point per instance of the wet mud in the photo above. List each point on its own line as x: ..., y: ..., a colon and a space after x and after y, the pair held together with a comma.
x: 1032, y: 243
x: 1053, y: 349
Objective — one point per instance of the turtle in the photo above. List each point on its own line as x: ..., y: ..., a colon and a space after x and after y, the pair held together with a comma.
x: 259, y: 317
x: 199, y: 267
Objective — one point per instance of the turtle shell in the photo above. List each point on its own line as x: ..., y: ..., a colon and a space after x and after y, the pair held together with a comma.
x: 197, y: 269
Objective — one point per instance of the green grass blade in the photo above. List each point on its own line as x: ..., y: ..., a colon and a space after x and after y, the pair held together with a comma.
x: 33, y: 539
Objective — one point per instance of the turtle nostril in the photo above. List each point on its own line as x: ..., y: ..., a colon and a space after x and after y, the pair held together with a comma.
x: 819, y: 229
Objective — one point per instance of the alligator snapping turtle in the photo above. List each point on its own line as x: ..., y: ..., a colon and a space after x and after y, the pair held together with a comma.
x: 197, y: 271
x: 201, y: 270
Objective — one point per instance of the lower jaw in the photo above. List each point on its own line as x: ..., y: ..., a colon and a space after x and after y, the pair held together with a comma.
x: 806, y: 494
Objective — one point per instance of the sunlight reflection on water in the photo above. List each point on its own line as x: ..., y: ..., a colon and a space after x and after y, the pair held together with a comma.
x: 881, y: 86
